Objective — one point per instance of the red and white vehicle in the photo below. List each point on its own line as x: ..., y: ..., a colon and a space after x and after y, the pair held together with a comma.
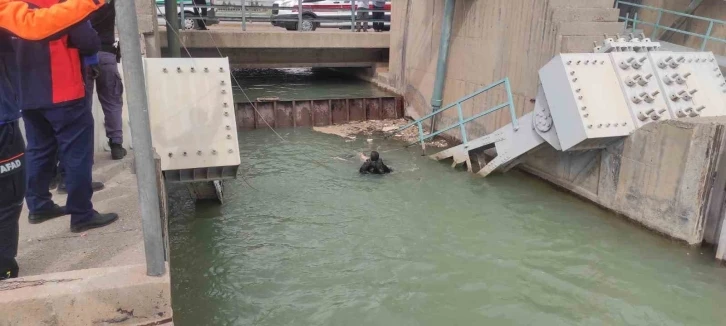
x: 336, y: 13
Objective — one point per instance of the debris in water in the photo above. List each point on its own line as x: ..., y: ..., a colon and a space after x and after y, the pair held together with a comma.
x: 370, y: 140
x: 367, y: 128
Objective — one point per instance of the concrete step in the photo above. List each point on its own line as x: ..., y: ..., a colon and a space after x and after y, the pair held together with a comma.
x: 582, y: 3
x: 568, y: 14
x: 575, y: 44
x: 590, y: 28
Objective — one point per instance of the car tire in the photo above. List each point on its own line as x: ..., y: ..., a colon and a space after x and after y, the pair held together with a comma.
x: 188, y: 22
x: 308, y: 25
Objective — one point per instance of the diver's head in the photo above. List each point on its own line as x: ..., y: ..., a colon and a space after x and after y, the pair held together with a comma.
x: 374, y: 156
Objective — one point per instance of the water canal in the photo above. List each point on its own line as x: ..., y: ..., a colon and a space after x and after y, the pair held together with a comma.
x: 319, y: 244
x: 315, y: 243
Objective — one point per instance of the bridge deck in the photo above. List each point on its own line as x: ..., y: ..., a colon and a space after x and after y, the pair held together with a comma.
x: 279, y: 39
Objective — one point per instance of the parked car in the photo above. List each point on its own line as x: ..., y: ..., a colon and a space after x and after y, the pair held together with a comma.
x: 189, y: 21
x: 337, y: 10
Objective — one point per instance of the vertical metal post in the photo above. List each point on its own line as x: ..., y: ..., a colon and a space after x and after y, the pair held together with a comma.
x: 172, y: 28
x: 708, y: 34
x: 464, y: 139
x: 627, y: 18
x: 654, y: 35
x: 441, y: 65
x: 352, y: 16
x: 133, y: 68
x: 512, y: 111
x: 244, y: 15
x: 299, y: 15
x: 635, y: 21
x: 182, y: 13
x: 617, y: 3
x: 421, y: 138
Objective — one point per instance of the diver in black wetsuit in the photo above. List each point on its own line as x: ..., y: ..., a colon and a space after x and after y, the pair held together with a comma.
x: 374, y: 165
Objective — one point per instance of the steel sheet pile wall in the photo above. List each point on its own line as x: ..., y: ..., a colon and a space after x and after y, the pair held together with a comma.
x: 308, y: 113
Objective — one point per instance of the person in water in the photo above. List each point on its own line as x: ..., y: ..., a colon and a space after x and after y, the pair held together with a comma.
x: 374, y: 165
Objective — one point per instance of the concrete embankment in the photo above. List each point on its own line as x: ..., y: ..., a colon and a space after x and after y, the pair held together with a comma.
x: 96, y: 277
x: 665, y: 176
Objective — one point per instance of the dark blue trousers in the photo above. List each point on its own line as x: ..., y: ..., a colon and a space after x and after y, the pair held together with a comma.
x: 12, y: 191
x: 66, y: 134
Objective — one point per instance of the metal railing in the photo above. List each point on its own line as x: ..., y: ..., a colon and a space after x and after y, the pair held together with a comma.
x: 248, y: 14
x: 461, y: 120
x: 657, y: 25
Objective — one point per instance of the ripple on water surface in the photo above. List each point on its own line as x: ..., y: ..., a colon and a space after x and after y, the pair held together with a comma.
x: 315, y: 243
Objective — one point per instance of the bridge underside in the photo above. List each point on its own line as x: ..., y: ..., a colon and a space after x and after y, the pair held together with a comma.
x: 287, y: 49
x: 292, y: 57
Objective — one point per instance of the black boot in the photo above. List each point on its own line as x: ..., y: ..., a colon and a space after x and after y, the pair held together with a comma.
x: 55, y: 182
x: 98, y: 220
x: 117, y: 151
x: 8, y: 268
x: 42, y: 216
x: 95, y: 185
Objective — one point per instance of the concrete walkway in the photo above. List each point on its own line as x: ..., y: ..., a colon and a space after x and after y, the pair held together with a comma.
x: 97, y: 277
x: 50, y: 247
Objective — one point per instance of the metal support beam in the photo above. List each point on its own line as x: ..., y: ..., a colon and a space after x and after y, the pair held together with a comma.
x: 172, y: 27
x: 145, y: 166
x: 442, y: 63
x: 299, y: 15
x: 244, y: 15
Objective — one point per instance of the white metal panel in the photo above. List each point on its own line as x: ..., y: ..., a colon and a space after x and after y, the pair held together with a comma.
x: 710, y: 84
x: 584, y: 98
x: 192, y: 112
x: 692, y: 83
x: 639, y: 83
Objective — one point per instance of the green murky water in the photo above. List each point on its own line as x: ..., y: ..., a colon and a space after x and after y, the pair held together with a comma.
x: 319, y: 244
x: 301, y: 84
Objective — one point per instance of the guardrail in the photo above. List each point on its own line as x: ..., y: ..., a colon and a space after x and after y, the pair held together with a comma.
x: 461, y: 124
x: 303, y: 15
x: 657, y: 25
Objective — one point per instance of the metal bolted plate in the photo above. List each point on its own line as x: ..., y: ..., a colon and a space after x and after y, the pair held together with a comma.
x: 585, y: 99
x: 710, y: 83
x: 543, y: 124
x: 192, y: 114
x: 639, y: 83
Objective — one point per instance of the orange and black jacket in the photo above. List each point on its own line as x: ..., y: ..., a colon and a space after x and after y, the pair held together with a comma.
x: 51, y: 71
x: 18, y: 20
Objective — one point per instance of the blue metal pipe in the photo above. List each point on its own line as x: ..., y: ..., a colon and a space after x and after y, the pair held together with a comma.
x: 441, y: 65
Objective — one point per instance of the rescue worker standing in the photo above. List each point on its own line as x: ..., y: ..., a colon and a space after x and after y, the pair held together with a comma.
x: 17, y: 19
x: 59, y: 124
x: 107, y: 79
x: 361, y: 23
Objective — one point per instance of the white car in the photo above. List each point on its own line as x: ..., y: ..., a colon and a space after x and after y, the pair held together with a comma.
x: 338, y: 11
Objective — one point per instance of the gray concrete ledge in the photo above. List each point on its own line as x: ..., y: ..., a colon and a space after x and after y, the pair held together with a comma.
x: 101, y: 296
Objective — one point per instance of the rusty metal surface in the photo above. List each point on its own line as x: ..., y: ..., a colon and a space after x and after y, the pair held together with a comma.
x: 306, y: 113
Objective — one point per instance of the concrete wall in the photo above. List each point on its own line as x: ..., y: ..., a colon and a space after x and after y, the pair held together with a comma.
x: 148, y: 28
x: 715, y: 9
x: 490, y: 40
x: 662, y: 176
